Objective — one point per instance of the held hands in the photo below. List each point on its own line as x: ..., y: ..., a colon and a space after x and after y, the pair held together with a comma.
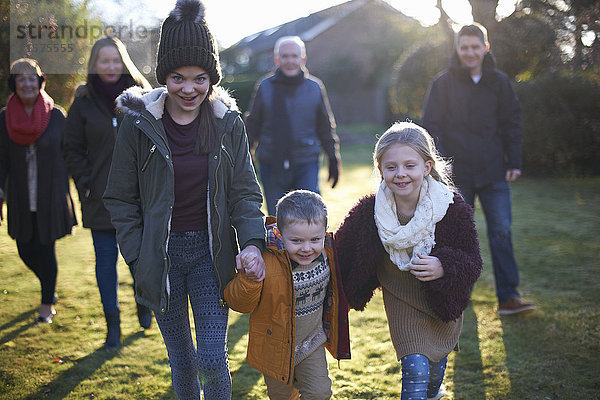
x: 512, y: 175
x: 250, y: 260
x: 426, y: 268
x: 335, y: 168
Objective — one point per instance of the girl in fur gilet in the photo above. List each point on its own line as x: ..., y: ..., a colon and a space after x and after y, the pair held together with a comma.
x: 416, y: 239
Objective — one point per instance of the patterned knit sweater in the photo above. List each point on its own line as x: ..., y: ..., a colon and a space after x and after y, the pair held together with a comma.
x: 310, y: 286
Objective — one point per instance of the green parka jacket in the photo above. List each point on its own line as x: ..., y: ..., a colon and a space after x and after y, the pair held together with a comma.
x: 140, y: 193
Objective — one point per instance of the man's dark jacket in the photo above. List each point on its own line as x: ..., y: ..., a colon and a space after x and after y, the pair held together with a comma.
x: 311, y: 121
x: 477, y: 125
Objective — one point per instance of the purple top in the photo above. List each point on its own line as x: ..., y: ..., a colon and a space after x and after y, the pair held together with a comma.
x: 191, y: 176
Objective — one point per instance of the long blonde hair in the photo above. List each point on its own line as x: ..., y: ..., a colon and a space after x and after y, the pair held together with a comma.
x: 417, y: 138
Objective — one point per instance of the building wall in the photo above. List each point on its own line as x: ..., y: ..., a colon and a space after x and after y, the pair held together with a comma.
x: 346, y: 58
x: 354, y: 58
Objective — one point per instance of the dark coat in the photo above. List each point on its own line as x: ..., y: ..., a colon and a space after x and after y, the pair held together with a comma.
x: 478, y: 125
x: 88, y: 145
x: 312, y: 122
x: 55, y: 216
x: 141, y: 192
x: 360, y: 253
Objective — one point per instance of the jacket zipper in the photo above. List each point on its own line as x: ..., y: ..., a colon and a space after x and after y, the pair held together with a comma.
x: 227, y: 153
x: 148, y: 158
x: 170, y: 157
x: 221, y: 300
x: 115, y: 126
x: 293, y: 318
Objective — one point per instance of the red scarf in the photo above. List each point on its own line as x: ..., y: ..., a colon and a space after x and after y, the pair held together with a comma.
x: 22, y: 128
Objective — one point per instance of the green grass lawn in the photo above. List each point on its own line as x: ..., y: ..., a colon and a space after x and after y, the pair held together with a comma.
x: 553, y: 353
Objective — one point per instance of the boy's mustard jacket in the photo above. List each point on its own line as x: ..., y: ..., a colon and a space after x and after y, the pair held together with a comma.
x: 272, y: 311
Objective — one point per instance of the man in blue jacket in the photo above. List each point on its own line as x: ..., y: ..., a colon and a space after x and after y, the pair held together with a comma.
x: 473, y: 113
x: 288, y: 122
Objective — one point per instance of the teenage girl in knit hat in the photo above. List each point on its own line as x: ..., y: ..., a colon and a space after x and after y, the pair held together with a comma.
x: 416, y: 239
x: 183, y: 195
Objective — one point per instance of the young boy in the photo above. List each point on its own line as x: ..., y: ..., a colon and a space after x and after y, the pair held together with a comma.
x: 299, y: 309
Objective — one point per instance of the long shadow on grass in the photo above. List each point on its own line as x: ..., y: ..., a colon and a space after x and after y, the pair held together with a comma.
x: 237, y: 330
x: 81, y: 370
x: 27, y: 315
x: 524, y: 347
x: 246, y: 377
x: 169, y: 395
x: 468, y: 367
x: 512, y: 330
x: 244, y: 380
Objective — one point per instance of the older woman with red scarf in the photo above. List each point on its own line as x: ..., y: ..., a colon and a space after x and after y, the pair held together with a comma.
x: 33, y: 176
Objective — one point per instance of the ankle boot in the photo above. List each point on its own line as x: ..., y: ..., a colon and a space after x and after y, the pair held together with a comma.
x: 113, y: 326
x: 144, y: 316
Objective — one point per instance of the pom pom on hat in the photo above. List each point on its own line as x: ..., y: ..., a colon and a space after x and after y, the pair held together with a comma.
x: 188, y: 10
x: 186, y: 40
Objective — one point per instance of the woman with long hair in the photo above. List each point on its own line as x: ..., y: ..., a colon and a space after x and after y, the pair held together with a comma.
x: 90, y: 134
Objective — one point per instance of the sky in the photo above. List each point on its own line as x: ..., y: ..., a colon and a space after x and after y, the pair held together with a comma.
x: 232, y: 20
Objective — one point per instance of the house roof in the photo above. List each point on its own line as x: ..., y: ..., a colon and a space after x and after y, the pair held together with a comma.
x: 307, y: 28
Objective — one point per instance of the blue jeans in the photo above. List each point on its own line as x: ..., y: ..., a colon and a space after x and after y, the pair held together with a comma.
x: 277, y: 181
x: 107, y: 253
x: 421, y: 378
x: 496, y: 206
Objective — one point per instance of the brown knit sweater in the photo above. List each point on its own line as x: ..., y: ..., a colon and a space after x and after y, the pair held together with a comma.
x: 414, y: 328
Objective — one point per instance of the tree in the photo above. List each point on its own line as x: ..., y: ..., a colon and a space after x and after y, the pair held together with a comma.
x: 139, y: 32
x: 4, y: 49
x: 484, y: 12
x: 411, y: 77
x: 576, y: 27
x: 551, y: 49
x: 57, y: 33
x: 523, y: 45
x: 583, y: 20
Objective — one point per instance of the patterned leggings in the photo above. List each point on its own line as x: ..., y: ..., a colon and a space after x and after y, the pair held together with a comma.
x: 192, y: 275
x: 421, y: 378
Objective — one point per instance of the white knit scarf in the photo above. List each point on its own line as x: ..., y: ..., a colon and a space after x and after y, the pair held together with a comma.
x: 419, y: 233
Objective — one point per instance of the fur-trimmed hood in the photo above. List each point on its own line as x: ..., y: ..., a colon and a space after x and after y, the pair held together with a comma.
x: 135, y: 100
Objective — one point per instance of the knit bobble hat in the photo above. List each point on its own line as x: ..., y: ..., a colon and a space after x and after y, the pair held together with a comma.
x: 185, y: 40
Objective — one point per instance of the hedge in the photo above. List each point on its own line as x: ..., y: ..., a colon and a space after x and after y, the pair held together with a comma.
x: 561, y: 125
